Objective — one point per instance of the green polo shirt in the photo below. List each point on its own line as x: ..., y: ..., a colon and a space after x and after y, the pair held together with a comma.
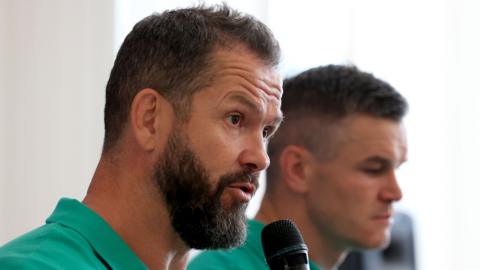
x: 74, y: 237
x: 249, y: 256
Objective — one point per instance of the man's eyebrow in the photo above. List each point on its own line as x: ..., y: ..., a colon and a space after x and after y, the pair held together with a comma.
x: 278, y: 121
x: 256, y: 108
x: 384, y: 161
x: 379, y: 159
x: 247, y: 102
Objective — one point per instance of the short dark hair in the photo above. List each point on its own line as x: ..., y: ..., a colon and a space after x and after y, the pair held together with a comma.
x: 321, y: 97
x: 171, y: 53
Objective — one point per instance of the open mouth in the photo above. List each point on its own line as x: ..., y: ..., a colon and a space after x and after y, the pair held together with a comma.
x: 248, y: 188
x: 243, y: 191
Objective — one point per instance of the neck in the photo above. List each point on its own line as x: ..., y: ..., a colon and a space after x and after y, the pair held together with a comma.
x: 324, y: 252
x: 267, y: 213
x: 137, y: 213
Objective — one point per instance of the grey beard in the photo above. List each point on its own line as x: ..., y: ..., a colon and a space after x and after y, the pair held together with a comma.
x: 196, y: 214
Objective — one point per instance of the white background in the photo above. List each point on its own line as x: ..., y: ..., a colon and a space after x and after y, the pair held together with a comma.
x: 55, y: 57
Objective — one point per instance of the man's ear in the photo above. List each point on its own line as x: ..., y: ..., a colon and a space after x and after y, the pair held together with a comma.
x: 293, y: 162
x: 151, y: 117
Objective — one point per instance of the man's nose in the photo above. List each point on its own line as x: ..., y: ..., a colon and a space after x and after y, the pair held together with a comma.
x: 254, y: 156
x: 391, y: 191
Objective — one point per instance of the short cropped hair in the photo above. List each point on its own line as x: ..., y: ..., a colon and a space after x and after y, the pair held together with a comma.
x: 171, y: 52
x: 316, y: 100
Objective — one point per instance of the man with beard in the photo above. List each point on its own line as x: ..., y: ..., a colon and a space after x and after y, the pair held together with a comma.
x: 333, y: 169
x: 192, y: 99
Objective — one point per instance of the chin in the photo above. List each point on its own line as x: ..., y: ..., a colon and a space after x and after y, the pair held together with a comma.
x: 380, y: 242
x: 372, y: 240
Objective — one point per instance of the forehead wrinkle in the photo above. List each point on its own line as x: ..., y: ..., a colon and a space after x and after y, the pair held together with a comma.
x: 253, y: 80
x: 241, y: 58
x: 264, y: 86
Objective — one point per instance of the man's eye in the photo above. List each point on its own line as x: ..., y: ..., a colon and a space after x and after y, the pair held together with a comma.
x: 373, y: 171
x: 235, y: 119
x: 266, y: 132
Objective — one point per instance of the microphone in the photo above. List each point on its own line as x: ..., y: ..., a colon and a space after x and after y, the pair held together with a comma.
x: 284, y: 247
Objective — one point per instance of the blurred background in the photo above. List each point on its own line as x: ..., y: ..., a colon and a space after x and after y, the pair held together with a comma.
x: 56, y: 55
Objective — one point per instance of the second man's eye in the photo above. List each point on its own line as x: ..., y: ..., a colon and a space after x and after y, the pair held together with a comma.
x: 235, y: 119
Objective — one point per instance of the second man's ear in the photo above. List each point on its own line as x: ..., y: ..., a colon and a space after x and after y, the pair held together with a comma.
x: 151, y: 118
x: 293, y: 163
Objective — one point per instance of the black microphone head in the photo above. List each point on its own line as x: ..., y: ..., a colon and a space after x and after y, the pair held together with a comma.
x: 281, y: 237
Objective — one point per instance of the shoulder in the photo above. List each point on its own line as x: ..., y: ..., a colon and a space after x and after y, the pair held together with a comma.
x: 235, y: 259
x: 51, y: 246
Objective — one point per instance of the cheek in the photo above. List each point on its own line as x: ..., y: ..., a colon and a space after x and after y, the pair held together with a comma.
x: 347, y: 196
x: 217, y: 152
x: 336, y: 188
